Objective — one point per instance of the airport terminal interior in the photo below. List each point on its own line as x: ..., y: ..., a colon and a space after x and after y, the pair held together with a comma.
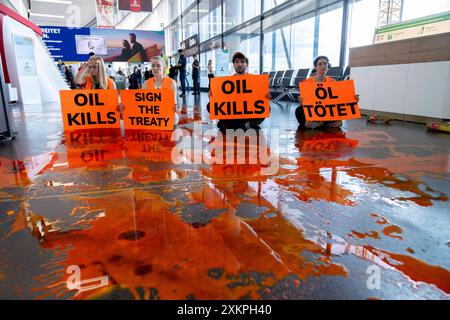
x: 226, y: 208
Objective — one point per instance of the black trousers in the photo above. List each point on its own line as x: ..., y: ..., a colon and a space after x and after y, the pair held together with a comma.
x: 210, y: 76
x: 183, y: 81
x: 196, y: 83
x: 300, y: 115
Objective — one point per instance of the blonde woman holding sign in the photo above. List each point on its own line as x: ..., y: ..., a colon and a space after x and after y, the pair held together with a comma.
x: 93, y: 75
x: 321, y: 67
x: 160, y: 80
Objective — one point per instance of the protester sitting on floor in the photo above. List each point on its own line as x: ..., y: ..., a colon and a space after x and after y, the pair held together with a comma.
x: 93, y: 75
x: 159, y: 81
x: 321, y: 67
x: 240, y: 64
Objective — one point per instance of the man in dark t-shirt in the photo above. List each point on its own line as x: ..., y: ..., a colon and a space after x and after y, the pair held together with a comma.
x: 240, y: 64
x: 182, y: 61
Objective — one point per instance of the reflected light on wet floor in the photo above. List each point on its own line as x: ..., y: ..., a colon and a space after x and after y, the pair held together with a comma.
x: 136, y: 225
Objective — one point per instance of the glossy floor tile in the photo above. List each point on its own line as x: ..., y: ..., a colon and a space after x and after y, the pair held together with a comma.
x: 356, y: 213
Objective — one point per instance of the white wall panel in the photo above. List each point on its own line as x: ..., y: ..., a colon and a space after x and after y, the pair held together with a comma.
x: 390, y: 88
x: 446, y: 108
x: 421, y: 89
x: 364, y: 78
x: 426, y: 88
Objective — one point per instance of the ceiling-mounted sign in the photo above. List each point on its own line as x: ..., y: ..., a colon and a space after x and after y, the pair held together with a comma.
x: 136, y: 5
x: 190, y: 45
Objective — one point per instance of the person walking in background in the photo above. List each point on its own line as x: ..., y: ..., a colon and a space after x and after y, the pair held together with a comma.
x: 196, y: 75
x: 147, y: 74
x: 139, y: 75
x: 210, y: 73
x: 182, y: 61
x: 60, y: 66
x: 111, y: 72
x: 173, y: 72
x: 134, y: 81
x: 69, y: 77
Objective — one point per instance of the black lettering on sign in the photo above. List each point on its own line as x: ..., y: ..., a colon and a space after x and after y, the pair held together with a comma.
x: 231, y: 87
x: 148, y: 121
x: 147, y: 96
x: 352, y: 106
x: 218, y: 108
x: 240, y: 86
x: 259, y: 107
x: 92, y: 99
x: 308, y: 108
x: 320, y: 110
x: 111, y: 117
x: 321, y: 93
x: 238, y: 108
x: 149, y: 109
x: 330, y: 109
x: 330, y: 94
x: 72, y: 118
x: 341, y: 109
x: 88, y: 118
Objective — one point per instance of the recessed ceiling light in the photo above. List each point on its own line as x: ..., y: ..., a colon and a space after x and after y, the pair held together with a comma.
x: 46, y: 15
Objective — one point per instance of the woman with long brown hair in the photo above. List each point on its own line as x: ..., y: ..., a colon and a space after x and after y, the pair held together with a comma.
x: 93, y: 75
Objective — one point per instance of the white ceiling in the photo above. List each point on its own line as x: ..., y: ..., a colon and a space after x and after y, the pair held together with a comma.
x: 86, y: 8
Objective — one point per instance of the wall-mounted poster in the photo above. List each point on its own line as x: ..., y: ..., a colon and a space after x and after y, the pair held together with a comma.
x: 112, y: 45
x: 222, y: 62
x: 26, y: 64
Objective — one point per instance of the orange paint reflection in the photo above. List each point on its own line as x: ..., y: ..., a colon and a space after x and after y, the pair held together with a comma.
x: 243, y: 242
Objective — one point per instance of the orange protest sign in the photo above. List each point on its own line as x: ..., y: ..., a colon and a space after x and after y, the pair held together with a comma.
x: 148, y: 109
x: 240, y: 97
x: 89, y: 109
x: 325, y: 101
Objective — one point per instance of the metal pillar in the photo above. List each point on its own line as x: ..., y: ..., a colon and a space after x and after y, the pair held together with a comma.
x: 390, y: 11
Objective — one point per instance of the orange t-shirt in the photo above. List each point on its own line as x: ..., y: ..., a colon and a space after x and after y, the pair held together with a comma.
x: 312, y: 79
x: 166, y: 84
x: 88, y: 84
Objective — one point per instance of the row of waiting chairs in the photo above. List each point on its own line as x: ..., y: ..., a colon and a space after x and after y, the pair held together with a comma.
x: 284, y: 82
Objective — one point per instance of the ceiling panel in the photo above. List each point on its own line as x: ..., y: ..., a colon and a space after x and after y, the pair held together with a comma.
x: 86, y: 8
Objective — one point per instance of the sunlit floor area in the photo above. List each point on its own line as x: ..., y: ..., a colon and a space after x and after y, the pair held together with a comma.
x: 360, y: 212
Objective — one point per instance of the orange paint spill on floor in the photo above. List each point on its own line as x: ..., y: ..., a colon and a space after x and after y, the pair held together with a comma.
x: 141, y: 241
